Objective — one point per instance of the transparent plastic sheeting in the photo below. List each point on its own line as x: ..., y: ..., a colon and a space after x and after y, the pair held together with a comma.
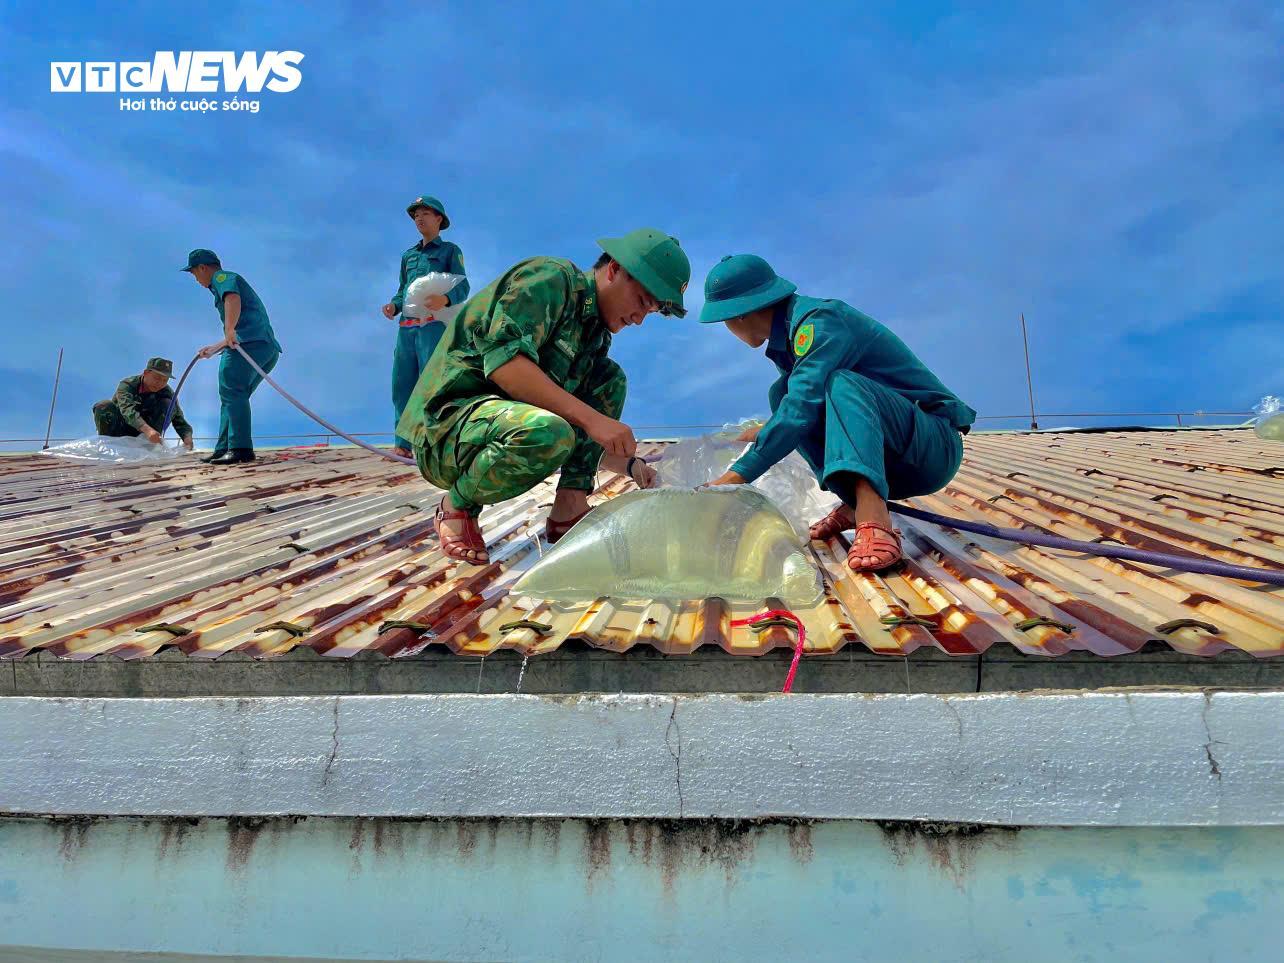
x: 678, y: 545
x: 789, y: 483
x: 118, y: 451
x: 1270, y: 419
x: 421, y: 289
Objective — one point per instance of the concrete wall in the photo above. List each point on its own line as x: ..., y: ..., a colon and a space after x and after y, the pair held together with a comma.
x: 1171, y: 758
x: 642, y: 890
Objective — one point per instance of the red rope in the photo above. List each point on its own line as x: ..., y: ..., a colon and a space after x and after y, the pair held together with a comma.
x: 798, y: 649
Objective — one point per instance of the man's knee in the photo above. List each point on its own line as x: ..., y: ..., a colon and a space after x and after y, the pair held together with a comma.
x: 543, y: 437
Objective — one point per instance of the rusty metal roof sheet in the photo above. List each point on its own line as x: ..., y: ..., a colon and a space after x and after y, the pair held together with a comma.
x: 333, y: 549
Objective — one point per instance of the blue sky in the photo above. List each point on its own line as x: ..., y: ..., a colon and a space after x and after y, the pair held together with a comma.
x: 1112, y: 170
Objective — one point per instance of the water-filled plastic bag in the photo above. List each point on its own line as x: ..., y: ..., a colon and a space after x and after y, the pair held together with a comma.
x: 789, y: 483
x: 422, y: 288
x: 118, y: 451
x: 675, y: 545
x: 1270, y: 419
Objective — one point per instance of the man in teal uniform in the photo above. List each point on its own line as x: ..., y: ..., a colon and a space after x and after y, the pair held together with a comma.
x: 245, y: 323
x: 867, y: 415
x: 417, y: 338
x: 139, y: 405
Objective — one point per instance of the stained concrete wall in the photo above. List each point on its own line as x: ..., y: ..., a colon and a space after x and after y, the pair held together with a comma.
x: 576, y: 668
x: 637, y: 891
x: 1177, y: 758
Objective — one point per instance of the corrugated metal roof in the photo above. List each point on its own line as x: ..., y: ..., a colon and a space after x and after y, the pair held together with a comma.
x: 333, y: 549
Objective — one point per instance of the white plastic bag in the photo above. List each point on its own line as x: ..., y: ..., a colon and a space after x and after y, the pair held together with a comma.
x: 789, y: 483
x: 421, y: 289
x: 1270, y: 419
x: 118, y: 451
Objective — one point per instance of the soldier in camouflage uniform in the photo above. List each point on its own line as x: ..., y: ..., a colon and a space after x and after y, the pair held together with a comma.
x: 521, y: 385
x: 138, y: 407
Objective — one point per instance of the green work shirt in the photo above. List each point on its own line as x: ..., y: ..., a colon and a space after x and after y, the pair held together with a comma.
x: 544, y: 308
x: 436, y: 255
x: 253, y: 324
x: 146, y: 409
x: 811, y: 339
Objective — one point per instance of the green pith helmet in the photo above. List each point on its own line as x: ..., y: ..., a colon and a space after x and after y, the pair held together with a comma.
x: 430, y: 202
x: 739, y: 284
x: 161, y: 366
x: 657, y: 261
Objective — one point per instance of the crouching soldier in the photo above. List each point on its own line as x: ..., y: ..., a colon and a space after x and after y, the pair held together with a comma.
x: 139, y: 405
x: 866, y: 414
x: 521, y: 385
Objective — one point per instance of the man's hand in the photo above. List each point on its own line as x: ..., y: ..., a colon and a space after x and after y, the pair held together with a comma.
x: 436, y: 302
x: 644, y: 475
x: 210, y: 350
x: 614, y: 436
x: 726, y: 478
x: 749, y: 434
x: 389, y: 310
x: 151, y: 434
x: 187, y: 442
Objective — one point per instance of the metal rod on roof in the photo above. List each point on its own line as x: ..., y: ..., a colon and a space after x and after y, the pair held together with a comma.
x: 53, y: 401
x: 1029, y: 382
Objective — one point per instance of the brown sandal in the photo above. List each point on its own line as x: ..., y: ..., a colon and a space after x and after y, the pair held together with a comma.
x: 838, y: 520
x: 876, y: 541
x: 554, y: 531
x: 469, y: 547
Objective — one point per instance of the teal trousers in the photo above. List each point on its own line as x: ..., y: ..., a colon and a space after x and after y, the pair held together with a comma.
x: 872, y: 431
x: 414, y: 347
x: 236, y: 382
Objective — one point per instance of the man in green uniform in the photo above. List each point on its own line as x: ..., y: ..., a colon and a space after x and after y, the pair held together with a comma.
x: 522, y: 386
x: 245, y: 322
x: 417, y: 338
x: 139, y: 405
x: 864, y: 412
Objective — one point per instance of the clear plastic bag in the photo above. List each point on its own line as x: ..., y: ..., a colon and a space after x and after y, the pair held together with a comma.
x: 678, y: 545
x: 789, y: 483
x: 421, y: 289
x: 118, y: 451
x: 1270, y: 419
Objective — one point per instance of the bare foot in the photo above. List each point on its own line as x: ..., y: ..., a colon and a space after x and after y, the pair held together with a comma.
x: 402, y: 452
x: 459, y: 534
x: 841, y: 519
x: 568, y: 504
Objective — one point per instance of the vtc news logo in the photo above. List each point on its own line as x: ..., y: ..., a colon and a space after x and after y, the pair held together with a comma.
x: 187, y: 71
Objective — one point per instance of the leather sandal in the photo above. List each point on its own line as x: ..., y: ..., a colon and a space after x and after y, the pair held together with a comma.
x: 468, y: 547
x: 874, y: 541
x: 839, y: 520
x: 554, y: 531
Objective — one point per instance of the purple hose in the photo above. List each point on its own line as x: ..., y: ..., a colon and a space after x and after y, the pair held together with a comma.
x: 1197, y: 565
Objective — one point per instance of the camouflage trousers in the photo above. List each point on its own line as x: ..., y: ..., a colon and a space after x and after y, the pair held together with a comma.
x: 504, y: 448
x: 109, y: 423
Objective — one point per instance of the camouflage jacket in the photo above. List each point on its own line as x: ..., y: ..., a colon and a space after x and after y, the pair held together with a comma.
x: 544, y: 308
x: 139, y: 408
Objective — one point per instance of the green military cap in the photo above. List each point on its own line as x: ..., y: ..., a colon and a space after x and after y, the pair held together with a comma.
x: 430, y: 202
x: 739, y: 284
x: 201, y: 256
x: 161, y: 366
x: 657, y: 261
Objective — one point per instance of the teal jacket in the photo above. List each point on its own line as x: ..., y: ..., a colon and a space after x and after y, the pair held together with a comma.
x: 442, y: 256
x: 811, y: 339
x: 253, y: 324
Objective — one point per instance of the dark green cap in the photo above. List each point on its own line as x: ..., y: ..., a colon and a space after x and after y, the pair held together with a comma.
x: 741, y: 283
x: 201, y: 256
x: 657, y: 261
x: 427, y: 200
x: 161, y: 366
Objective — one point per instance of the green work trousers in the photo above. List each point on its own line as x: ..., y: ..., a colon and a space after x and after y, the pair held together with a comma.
x: 872, y: 431
x: 236, y: 382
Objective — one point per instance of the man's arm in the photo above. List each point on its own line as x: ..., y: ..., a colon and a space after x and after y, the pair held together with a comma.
x: 127, y: 403
x: 399, y: 299
x: 804, y: 398
x: 523, y: 380
x: 459, y: 293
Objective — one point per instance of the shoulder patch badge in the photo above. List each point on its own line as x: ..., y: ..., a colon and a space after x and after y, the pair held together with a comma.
x: 803, y: 339
x: 220, y: 277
